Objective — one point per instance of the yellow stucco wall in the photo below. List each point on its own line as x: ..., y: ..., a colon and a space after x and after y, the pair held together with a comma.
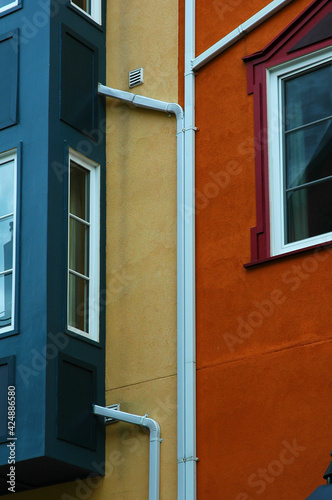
x: 141, y: 255
x: 141, y: 242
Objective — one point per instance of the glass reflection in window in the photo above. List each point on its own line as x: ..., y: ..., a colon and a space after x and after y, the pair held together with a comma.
x: 7, y: 216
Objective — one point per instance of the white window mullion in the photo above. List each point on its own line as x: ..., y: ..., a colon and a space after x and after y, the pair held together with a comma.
x: 7, y: 271
x: 86, y: 223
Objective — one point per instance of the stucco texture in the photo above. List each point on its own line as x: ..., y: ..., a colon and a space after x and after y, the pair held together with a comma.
x: 141, y: 242
x: 263, y: 334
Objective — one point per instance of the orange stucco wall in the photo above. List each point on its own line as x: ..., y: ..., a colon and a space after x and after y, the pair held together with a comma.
x: 264, y: 337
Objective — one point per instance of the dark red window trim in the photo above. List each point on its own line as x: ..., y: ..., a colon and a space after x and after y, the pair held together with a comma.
x: 300, y: 33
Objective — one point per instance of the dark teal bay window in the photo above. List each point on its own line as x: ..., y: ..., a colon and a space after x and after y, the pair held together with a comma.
x: 52, y: 239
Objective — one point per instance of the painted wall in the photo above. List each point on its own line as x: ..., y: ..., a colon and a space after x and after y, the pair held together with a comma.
x: 140, y: 295
x: 262, y: 397
x: 30, y: 317
x: 141, y: 242
x: 42, y: 142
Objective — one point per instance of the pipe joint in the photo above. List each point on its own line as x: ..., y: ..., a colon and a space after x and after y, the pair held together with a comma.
x: 144, y: 102
x: 241, y: 30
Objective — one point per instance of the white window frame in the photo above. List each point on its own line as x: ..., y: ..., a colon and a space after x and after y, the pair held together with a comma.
x: 6, y: 157
x: 95, y: 10
x: 94, y: 246
x: 10, y: 5
x: 275, y: 78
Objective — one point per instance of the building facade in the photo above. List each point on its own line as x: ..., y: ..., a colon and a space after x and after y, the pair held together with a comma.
x: 182, y: 264
x: 53, y: 241
x: 58, y: 133
x: 262, y: 247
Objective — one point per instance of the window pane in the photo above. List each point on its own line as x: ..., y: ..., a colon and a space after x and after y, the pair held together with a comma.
x: 84, y: 4
x: 6, y: 244
x: 5, y: 300
x: 309, y: 154
x: 6, y: 188
x: 79, y: 189
x: 309, y: 211
x: 308, y: 97
x: 78, y: 310
x: 79, y: 247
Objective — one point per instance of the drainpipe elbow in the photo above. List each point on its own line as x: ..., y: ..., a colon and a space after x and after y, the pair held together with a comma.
x: 153, y: 427
x: 175, y: 108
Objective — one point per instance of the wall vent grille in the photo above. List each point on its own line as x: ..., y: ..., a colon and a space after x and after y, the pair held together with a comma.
x: 135, y: 77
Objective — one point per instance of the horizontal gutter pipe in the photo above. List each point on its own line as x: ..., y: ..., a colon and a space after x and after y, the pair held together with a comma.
x: 154, y: 455
x: 141, y: 101
x: 238, y: 33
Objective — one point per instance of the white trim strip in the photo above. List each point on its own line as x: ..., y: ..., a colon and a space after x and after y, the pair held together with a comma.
x: 239, y: 32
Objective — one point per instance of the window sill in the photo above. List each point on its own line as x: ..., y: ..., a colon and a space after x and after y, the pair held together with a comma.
x: 316, y: 248
x: 5, y: 12
x: 83, y: 338
x: 8, y: 333
x: 86, y: 16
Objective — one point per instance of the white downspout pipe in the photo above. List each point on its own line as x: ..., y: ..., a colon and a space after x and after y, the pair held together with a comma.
x: 187, y: 318
x: 239, y: 32
x: 186, y: 365
x: 154, y: 455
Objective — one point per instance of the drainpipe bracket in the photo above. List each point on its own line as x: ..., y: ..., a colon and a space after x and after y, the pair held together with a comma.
x: 110, y: 420
x: 191, y: 72
x: 195, y: 129
x: 241, y: 30
x: 156, y: 439
x: 188, y: 459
